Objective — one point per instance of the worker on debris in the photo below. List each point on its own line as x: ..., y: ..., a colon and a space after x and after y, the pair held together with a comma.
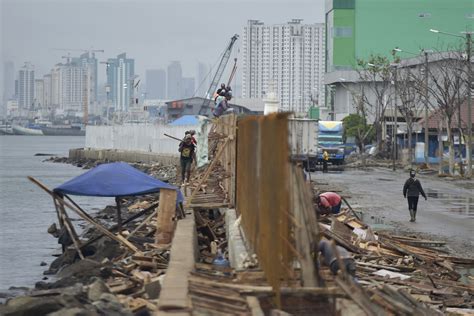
x: 412, y: 190
x: 192, y: 133
x: 329, y: 202
x: 325, y: 161
x: 330, y: 257
x: 186, y: 148
x: 223, y: 105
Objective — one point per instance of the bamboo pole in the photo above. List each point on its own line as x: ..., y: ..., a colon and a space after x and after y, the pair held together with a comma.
x: 82, y: 214
x: 70, y: 230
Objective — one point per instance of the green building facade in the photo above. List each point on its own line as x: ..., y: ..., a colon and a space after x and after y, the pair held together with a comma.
x: 355, y: 29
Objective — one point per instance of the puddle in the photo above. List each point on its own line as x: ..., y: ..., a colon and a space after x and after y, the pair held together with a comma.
x: 462, y: 205
x: 383, y: 179
x: 375, y: 222
x: 465, y: 272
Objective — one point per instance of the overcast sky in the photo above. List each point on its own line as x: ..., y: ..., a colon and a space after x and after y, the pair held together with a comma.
x: 153, y: 32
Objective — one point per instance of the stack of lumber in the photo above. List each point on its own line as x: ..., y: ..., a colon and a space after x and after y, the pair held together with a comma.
x: 400, y: 272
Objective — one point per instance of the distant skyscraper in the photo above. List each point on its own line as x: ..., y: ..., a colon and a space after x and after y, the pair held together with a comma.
x: 47, y: 91
x: 291, y: 56
x: 89, y: 63
x: 203, y: 79
x: 121, y: 78
x: 175, y: 78
x: 8, y: 80
x: 155, y: 84
x: 39, y: 94
x: 26, y: 86
x: 188, y: 88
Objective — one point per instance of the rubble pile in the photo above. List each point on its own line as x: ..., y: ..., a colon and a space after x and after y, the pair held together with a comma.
x: 401, y: 271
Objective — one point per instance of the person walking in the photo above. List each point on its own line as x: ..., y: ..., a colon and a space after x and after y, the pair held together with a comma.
x: 329, y: 202
x: 412, y: 190
x: 186, y: 148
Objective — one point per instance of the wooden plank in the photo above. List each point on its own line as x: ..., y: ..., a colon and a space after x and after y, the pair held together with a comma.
x: 166, y: 211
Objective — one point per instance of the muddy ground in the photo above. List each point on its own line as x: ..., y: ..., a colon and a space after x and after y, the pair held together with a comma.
x: 447, y: 215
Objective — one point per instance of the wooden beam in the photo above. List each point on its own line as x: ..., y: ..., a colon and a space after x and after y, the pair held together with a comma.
x: 166, y: 212
x: 119, y: 214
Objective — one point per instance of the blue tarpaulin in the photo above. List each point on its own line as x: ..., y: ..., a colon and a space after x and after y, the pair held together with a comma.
x: 186, y: 120
x: 116, y: 179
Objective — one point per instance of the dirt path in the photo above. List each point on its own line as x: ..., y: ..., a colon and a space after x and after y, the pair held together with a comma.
x: 447, y: 215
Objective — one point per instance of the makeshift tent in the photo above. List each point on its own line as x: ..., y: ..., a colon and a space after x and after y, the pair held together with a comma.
x: 117, y: 180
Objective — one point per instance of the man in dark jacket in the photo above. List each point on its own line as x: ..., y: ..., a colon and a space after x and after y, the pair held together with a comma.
x: 186, y: 148
x: 412, y: 190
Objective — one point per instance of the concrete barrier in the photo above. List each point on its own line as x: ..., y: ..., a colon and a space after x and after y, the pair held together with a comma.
x: 123, y: 155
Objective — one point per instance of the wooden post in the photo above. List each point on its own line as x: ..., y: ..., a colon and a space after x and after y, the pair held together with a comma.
x: 119, y: 215
x: 166, y: 212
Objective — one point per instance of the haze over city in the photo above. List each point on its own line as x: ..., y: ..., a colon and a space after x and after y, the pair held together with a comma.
x: 153, y: 33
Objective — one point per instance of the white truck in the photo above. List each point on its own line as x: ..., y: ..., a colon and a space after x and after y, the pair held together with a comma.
x: 303, y: 141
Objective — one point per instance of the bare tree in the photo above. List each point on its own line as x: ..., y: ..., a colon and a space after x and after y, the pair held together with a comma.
x: 376, y: 72
x: 447, y: 84
x: 409, y: 102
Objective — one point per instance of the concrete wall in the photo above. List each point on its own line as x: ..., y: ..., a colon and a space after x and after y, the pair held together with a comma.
x: 140, y: 138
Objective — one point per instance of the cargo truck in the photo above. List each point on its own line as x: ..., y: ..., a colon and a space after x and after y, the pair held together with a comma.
x: 330, y: 139
x: 303, y: 142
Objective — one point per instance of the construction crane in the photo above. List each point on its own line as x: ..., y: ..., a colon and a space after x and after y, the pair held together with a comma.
x: 218, y: 75
x: 90, y: 51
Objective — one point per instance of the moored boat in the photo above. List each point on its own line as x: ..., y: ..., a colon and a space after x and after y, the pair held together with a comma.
x: 22, y: 130
x: 63, y: 130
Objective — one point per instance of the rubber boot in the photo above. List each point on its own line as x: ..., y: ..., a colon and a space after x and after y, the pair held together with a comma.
x: 412, y: 216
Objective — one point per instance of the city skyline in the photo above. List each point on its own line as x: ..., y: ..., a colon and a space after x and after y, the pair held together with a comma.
x: 149, y: 27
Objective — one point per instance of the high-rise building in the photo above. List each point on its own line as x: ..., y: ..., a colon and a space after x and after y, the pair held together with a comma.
x: 175, y: 80
x: 89, y: 63
x: 188, y: 87
x: 39, y: 94
x: 155, y: 84
x: 26, y: 86
x: 56, y: 86
x: 8, y: 80
x: 289, y: 57
x: 47, y: 91
x: 120, y: 79
x: 203, y: 79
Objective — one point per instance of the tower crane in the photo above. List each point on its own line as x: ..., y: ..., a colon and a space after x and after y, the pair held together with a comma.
x: 90, y: 51
x: 218, y: 75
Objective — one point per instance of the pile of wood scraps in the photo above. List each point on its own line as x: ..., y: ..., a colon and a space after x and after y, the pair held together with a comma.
x: 211, y: 233
x: 403, y: 274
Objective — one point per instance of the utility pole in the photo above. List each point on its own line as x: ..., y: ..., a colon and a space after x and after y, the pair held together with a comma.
x: 427, y: 138
x: 469, y: 104
x: 395, y: 118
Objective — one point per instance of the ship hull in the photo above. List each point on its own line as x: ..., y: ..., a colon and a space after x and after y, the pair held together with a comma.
x: 20, y: 130
x: 55, y: 131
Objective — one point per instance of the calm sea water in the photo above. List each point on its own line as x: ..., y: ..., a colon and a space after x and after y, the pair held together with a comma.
x: 26, y: 211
